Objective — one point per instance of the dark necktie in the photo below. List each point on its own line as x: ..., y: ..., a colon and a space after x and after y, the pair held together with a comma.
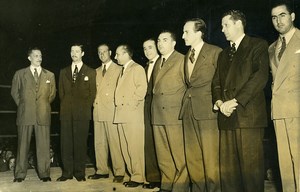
x: 35, y: 75
x: 283, y: 46
x: 75, y: 73
x: 104, y: 70
x: 232, y: 52
x: 192, y: 55
x: 122, y: 72
x: 162, y: 63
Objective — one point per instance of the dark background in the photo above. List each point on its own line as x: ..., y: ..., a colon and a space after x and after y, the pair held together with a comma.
x: 55, y: 25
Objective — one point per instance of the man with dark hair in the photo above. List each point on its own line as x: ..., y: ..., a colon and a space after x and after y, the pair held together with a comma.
x: 77, y: 90
x: 285, y: 65
x: 238, y: 95
x: 151, y: 165
x: 201, y: 134
x: 33, y: 89
x: 106, y: 136
x: 129, y: 114
x: 168, y: 90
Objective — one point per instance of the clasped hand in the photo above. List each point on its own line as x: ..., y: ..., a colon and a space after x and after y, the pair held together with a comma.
x: 228, y: 107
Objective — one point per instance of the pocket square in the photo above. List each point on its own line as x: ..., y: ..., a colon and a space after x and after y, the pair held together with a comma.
x: 47, y: 81
x: 298, y: 51
x: 86, y: 78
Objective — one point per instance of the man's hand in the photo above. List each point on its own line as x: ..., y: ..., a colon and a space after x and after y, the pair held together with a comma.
x: 228, y: 107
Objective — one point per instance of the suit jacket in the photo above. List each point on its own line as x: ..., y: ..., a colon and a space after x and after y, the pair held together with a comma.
x: 104, y: 105
x: 168, y: 90
x: 148, y: 97
x: 243, y: 79
x: 76, y: 99
x: 129, y: 95
x: 199, y: 84
x: 33, y: 103
x: 286, y: 79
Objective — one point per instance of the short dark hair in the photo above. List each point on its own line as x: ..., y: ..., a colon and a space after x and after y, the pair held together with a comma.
x: 79, y: 45
x: 286, y: 3
x: 127, y: 49
x: 105, y: 44
x: 236, y: 15
x: 173, y: 36
x: 149, y: 39
x: 199, y: 25
x: 30, y: 49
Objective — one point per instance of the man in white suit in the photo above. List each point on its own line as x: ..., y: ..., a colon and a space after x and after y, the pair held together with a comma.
x: 106, y: 138
x: 129, y: 114
x: 285, y: 65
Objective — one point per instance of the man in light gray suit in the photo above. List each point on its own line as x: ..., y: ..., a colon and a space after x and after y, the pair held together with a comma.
x: 285, y: 65
x: 168, y: 90
x: 106, y: 138
x: 200, y: 127
x: 33, y: 89
x: 129, y: 114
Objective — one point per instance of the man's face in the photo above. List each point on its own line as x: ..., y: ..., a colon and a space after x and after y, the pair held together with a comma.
x: 282, y: 20
x: 189, y: 35
x: 150, y: 50
x: 165, y: 43
x: 35, y: 58
x: 104, y: 54
x: 230, y: 28
x: 121, y: 56
x: 76, y: 53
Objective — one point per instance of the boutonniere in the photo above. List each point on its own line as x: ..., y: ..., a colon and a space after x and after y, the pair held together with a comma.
x: 86, y: 78
x: 48, y: 81
x: 298, y: 51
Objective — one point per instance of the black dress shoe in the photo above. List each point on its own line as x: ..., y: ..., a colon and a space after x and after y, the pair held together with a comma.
x: 19, y: 180
x: 118, y: 179
x: 98, y: 176
x: 80, y: 178
x: 63, y: 178
x: 151, y: 185
x: 132, y: 184
x: 45, y: 179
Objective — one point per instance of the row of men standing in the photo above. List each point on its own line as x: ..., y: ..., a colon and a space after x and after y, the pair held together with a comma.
x: 184, y: 139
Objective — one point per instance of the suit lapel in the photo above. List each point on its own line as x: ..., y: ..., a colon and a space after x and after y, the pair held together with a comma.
x: 283, y: 68
x: 200, y: 60
x: 29, y: 77
x: 238, y: 56
x: 167, y: 66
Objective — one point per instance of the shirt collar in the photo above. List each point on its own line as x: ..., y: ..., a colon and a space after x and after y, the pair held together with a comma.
x: 39, y: 69
x: 198, y: 48
x: 167, y: 55
x: 126, y: 64
x: 154, y: 59
x: 288, y: 36
x: 238, y: 41
x: 107, y: 64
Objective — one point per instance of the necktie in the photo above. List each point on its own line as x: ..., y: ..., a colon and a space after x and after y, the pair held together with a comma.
x: 283, y: 46
x: 162, y: 63
x: 103, y: 70
x: 232, y: 52
x: 192, y: 55
x: 35, y: 75
x: 122, y: 72
x: 75, y: 73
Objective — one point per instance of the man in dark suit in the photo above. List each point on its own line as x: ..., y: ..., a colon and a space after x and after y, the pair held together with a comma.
x: 201, y: 134
x: 168, y: 90
x: 33, y: 89
x: 238, y: 95
x: 151, y: 166
x: 285, y: 65
x: 129, y: 114
x: 77, y: 90
x: 106, y: 137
